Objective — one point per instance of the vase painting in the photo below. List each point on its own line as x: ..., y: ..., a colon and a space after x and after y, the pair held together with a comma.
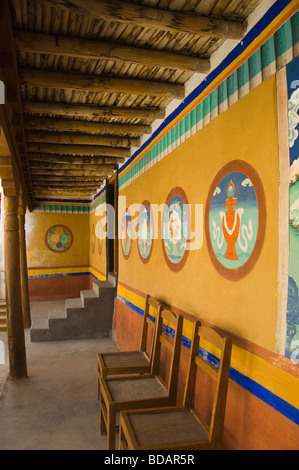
x: 235, y: 219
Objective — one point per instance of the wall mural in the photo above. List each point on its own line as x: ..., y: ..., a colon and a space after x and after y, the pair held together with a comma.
x: 292, y: 333
x: 126, y: 234
x: 235, y: 219
x: 59, y: 238
x: 145, y: 232
x: 176, y: 229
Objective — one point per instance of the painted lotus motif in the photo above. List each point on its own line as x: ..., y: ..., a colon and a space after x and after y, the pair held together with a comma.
x: 59, y: 238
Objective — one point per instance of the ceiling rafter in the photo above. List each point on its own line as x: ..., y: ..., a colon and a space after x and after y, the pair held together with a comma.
x: 90, y: 49
x: 125, y: 12
x: 99, y: 84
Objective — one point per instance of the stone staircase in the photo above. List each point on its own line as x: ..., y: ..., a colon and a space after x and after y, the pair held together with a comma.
x: 89, y: 316
x: 3, y: 315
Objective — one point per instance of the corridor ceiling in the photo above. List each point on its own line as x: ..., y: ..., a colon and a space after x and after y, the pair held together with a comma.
x: 95, y: 74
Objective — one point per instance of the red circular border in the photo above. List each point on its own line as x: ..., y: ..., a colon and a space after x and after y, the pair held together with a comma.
x: 245, y: 168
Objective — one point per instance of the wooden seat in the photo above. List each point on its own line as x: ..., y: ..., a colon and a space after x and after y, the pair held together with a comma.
x: 183, y: 428
x: 144, y: 391
x: 133, y: 362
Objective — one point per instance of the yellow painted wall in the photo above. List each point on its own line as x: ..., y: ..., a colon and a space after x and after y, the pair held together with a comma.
x: 248, y: 307
x: 97, y: 256
x: 39, y: 255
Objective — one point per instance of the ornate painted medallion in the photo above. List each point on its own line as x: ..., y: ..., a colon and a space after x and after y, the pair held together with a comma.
x: 235, y: 219
x: 59, y: 238
x: 176, y: 229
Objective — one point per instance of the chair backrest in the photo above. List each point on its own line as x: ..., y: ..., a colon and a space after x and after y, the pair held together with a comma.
x: 168, y: 333
x: 149, y: 320
x: 218, y: 372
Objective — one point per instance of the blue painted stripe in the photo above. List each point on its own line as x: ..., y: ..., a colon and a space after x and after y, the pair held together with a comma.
x: 136, y: 309
x: 245, y: 382
x: 40, y: 276
x: 44, y: 276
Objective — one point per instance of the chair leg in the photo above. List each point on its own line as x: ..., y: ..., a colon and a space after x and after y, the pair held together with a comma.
x: 103, y: 429
x: 111, y: 423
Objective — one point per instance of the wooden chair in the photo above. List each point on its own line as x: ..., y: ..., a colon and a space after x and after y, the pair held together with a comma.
x: 132, y: 362
x: 177, y: 427
x: 143, y: 391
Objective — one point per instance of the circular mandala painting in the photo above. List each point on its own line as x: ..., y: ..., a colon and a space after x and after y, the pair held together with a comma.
x: 126, y: 234
x: 59, y: 238
x: 235, y: 219
x: 145, y: 232
x: 176, y: 229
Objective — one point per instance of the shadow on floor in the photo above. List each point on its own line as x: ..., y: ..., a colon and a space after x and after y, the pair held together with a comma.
x: 56, y: 407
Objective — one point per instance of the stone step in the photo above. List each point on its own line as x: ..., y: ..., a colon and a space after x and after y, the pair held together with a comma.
x: 88, y: 294
x: 57, y: 312
x: 74, y: 303
x: 89, y: 316
x: 40, y: 324
x: 98, y: 286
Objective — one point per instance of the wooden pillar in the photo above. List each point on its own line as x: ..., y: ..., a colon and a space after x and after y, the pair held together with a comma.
x: 15, y: 324
x: 23, y: 268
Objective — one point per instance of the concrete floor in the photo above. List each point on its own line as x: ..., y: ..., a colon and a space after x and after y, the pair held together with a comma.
x: 56, y: 407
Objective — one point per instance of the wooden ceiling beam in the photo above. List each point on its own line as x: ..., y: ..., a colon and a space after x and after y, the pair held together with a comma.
x: 98, y: 84
x: 66, y: 187
x: 73, y: 173
x: 90, y: 49
x: 55, y: 193
x: 62, y: 179
x: 71, y: 166
x: 61, y: 138
x: 92, y: 111
x: 79, y: 150
x: 123, y: 12
x: 71, y: 125
x: 44, y: 157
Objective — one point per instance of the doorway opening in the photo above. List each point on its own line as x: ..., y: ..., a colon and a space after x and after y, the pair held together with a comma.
x: 112, y: 225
